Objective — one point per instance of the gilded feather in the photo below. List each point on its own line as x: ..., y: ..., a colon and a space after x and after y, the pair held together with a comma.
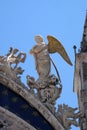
x: 55, y: 46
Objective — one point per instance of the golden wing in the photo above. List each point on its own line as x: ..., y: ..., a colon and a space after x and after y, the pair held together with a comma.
x: 55, y: 46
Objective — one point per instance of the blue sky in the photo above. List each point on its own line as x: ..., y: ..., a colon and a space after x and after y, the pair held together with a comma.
x: 21, y: 20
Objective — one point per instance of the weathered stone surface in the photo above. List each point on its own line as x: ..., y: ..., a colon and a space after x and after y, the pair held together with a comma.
x: 80, y: 86
x: 78, y: 76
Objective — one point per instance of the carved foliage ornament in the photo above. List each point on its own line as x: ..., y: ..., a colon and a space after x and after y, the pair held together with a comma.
x: 6, y: 64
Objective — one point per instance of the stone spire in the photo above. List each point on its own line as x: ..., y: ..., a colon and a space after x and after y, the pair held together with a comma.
x: 84, y: 39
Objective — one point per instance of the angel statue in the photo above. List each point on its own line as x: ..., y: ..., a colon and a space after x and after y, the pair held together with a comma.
x: 48, y: 86
x: 42, y: 58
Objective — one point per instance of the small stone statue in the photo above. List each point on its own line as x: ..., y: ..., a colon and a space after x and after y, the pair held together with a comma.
x: 42, y: 58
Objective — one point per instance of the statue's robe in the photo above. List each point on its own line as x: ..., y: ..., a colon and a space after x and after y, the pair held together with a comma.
x: 42, y: 60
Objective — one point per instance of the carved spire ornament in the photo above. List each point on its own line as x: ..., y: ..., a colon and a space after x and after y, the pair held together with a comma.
x: 84, y: 38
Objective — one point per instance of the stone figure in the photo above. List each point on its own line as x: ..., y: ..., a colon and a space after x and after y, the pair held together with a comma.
x: 42, y: 58
x: 48, y: 86
x: 41, y: 54
x: 31, y: 83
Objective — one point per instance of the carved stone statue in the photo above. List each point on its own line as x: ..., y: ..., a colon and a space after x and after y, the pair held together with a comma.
x: 41, y: 54
x: 42, y: 58
x: 48, y: 86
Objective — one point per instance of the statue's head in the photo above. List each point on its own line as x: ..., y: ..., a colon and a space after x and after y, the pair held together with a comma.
x: 39, y: 39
